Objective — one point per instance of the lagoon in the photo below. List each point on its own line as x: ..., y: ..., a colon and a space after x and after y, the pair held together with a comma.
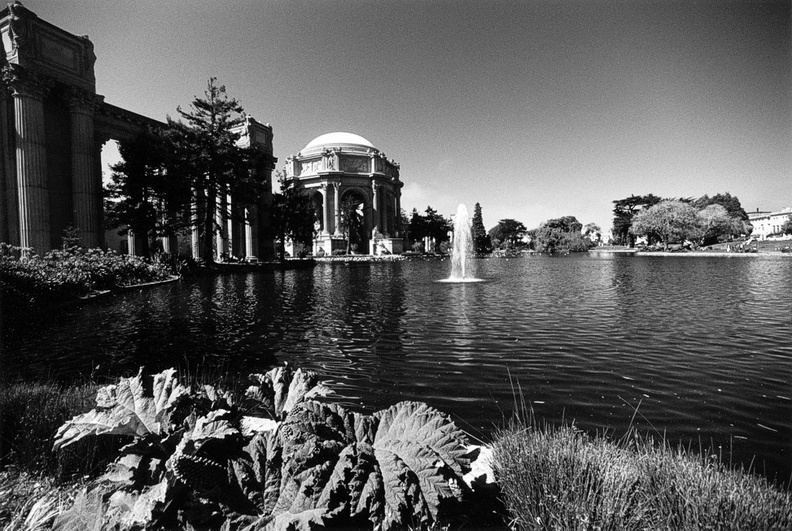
x: 696, y: 350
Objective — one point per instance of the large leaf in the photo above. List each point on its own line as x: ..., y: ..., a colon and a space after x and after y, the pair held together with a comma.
x: 137, y: 406
x: 280, y: 389
x: 396, y: 467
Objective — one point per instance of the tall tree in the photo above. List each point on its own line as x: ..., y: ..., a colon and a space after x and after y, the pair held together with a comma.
x: 293, y: 215
x: 481, y: 240
x: 212, y: 162
x: 136, y: 196
x: 623, y: 212
x: 352, y: 220
x: 669, y: 220
x: 508, y: 233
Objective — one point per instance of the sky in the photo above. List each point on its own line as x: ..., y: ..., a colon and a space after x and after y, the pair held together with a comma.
x: 534, y: 109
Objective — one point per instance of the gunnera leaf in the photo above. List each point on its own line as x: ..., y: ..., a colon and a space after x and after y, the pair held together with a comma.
x: 137, y: 406
x: 85, y: 514
x: 277, y: 391
x: 415, y: 442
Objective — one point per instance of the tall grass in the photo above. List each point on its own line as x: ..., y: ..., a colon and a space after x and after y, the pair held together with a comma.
x: 562, y: 478
x: 30, y: 415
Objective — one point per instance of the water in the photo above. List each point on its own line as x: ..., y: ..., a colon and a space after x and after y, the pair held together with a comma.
x: 462, y: 250
x: 700, y: 347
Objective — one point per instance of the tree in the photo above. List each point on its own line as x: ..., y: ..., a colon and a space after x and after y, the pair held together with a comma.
x: 430, y: 225
x: 481, y: 240
x: 786, y: 228
x: 508, y: 232
x: 669, y: 220
x: 212, y: 162
x: 623, y: 212
x: 738, y: 218
x: 351, y: 223
x: 593, y: 232
x: 135, y: 198
x: 714, y: 221
x: 560, y: 234
x: 293, y: 215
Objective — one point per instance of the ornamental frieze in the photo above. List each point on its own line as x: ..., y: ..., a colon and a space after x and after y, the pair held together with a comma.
x: 355, y: 164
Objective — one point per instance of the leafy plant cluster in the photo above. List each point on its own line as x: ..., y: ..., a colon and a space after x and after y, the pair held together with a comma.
x: 280, y: 457
x: 704, y: 221
x: 68, y: 272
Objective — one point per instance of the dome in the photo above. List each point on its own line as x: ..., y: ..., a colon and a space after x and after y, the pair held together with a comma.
x: 337, y: 140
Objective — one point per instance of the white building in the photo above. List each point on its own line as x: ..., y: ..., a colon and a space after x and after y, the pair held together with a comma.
x: 767, y: 224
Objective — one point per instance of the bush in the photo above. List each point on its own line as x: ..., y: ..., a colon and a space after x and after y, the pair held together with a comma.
x: 69, y: 273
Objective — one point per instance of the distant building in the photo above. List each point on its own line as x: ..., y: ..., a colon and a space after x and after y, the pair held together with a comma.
x: 768, y: 224
x: 336, y: 166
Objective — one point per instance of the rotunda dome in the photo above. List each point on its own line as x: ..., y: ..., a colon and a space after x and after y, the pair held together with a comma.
x: 347, y: 141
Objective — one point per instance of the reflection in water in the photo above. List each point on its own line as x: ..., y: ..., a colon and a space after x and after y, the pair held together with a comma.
x: 699, y: 346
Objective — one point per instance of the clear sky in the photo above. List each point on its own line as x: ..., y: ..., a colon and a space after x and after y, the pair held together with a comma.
x: 535, y: 109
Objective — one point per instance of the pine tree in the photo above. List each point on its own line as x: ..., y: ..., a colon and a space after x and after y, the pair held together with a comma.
x: 211, y: 160
x: 480, y: 237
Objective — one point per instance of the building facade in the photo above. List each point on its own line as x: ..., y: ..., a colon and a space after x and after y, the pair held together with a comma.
x: 340, y: 169
x: 768, y: 224
x: 53, y: 126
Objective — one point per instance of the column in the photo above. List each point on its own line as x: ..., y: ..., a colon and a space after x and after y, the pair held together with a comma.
x: 248, y: 236
x: 131, y: 243
x: 195, y: 234
x: 374, y: 210
x: 31, y: 165
x: 325, y: 210
x: 4, y: 181
x: 229, y: 225
x: 398, y: 213
x: 86, y: 190
x: 337, y: 187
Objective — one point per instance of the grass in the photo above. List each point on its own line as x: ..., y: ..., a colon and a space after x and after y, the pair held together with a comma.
x: 562, y: 478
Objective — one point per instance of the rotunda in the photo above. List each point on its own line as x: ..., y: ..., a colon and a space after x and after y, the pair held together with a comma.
x: 356, y: 192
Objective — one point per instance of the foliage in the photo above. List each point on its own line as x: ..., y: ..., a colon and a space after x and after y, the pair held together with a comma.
x: 352, y: 221
x: 481, y: 240
x: 669, y: 220
x: 714, y: 221
x: 560, y: 478
x: 278, y: 458
x: 209, y: 159
x: 139, y: 197
x: 293, y: 216
x: 429, y: 225
x: 507, y: 234
x: 593, y: 232
x: 786, y: 228
x: 624, y: 210
x: 68, y: 273
x: 560, y: 234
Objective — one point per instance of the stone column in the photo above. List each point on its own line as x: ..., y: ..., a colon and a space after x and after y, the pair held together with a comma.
x: 248, y: 235
x: 325, y: 210
x: 31, y: 165
x: 337, y: 187
x: 9, y: 212
x: 374, y: 210
x: 86, y: 190
x: 131, y: 243
x: 398, y: 213
x: 195, y: 233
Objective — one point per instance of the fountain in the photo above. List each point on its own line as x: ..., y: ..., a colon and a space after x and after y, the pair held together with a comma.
x: 462, y: 250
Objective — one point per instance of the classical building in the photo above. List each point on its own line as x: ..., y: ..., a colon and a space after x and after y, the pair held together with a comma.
x: 768, y: 224
x: 337, y: 169
x: 53, y: 125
